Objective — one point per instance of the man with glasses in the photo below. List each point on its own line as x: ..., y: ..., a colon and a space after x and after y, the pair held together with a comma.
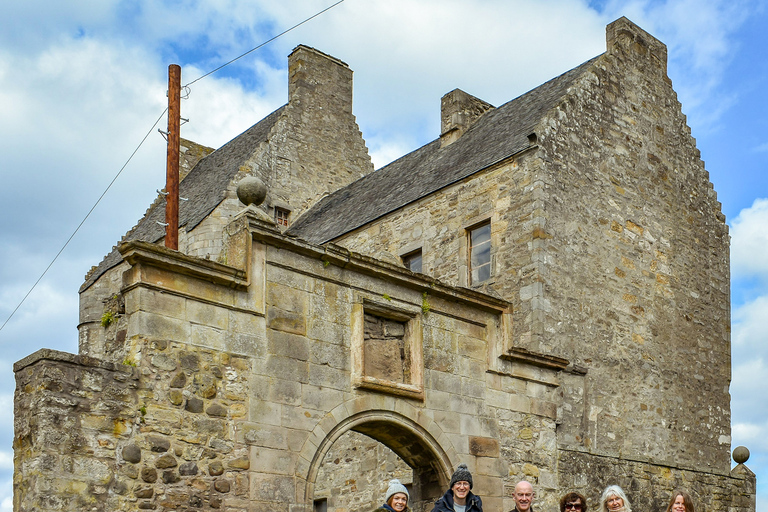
x: 459, y: 497
x: 573, y: 502
x: 523, y: 497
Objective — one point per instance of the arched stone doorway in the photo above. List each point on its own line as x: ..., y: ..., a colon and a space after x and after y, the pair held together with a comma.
x: 411, y: 442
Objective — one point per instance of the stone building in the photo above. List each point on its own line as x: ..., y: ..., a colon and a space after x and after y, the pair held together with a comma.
x: 541, y: 293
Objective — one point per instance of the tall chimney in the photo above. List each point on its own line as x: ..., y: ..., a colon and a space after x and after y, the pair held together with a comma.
x: 316, y: 79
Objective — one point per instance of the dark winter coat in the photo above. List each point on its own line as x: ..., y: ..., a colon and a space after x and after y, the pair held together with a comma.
x: 387, y: 508
x: 445, y: 503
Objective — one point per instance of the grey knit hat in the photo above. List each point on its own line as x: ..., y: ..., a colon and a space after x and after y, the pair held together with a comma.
x: 461, y: 474
x: 395, y: 487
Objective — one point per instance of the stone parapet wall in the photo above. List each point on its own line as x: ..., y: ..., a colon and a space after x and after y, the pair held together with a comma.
x: 73, y: 415
x: 649, y: 486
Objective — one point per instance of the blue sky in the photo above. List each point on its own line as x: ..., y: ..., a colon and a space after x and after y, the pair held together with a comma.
x: 82, y: 82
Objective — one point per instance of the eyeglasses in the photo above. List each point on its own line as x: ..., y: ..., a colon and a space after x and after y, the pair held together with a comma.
x: 574, y: 506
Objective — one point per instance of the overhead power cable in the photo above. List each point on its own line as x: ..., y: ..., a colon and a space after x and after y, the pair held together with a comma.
x: 266, y: 42
x: 85, y: 218
x: 141, y: 144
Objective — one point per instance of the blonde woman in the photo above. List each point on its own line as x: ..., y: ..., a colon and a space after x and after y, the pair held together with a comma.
x: 614, y: 499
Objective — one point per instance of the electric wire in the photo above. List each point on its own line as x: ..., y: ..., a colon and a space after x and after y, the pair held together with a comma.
x: 266, y: 42
x: 85, y: 218
x: 186, y: 88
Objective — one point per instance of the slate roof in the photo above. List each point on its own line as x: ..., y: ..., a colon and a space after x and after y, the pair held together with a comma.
x: 204, y: 186
x: 497, y: 135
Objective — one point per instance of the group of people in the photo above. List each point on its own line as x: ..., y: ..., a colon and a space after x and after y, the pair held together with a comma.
x: 459, y: 498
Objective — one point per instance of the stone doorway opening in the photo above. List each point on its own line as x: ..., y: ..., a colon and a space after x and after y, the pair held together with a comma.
x: 355, y: 463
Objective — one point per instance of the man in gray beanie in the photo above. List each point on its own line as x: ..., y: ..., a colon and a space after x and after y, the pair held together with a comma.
x: 459, y: 497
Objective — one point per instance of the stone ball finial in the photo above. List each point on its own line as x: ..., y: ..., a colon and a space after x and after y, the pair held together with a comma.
x: 251, y: 190
x: 740, y: 454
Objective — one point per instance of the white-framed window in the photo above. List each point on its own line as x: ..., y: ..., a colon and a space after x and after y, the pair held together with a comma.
x: 281, y: 216
x: 479, y: 252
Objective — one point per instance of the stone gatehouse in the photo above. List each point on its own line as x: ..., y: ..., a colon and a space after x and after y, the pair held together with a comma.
x: 540, y: 293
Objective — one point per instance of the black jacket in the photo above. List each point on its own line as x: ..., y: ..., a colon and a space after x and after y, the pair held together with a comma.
x: 386, y: 508
x: 445, y: 503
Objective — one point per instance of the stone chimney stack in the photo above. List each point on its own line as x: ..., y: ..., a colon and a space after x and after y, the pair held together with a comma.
x: 623, y: 37
x: 459, y: 111
x: 316, y: 79
x: 317, y: 147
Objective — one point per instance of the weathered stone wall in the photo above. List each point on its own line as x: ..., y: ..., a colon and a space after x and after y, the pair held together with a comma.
x: 243, y: 379
x: 437, y: 224
x: 72, y: 415
x: 634, y: 264
x: 609, y: 241
x: 650, y: 486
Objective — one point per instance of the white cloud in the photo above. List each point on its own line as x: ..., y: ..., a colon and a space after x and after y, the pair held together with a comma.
x: 749, y: 241
x: 6, y: 491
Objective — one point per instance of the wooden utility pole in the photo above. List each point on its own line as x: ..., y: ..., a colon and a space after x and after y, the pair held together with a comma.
x: 172, y: 164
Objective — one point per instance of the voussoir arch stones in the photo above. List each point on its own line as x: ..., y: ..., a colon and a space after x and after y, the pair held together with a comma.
x: 405, y: 429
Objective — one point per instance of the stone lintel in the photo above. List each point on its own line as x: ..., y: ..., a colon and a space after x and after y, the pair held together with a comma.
x: 391, y: 388
x: 145, y: 253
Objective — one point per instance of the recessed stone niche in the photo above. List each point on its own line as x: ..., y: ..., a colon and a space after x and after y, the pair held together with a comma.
x: 387, y: 349
x: 385, y: 352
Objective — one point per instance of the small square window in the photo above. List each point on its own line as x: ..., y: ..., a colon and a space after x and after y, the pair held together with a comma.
x: 320, y: 505
x: 480, y: 253
x: 412, y: 261
x: 281, y: 216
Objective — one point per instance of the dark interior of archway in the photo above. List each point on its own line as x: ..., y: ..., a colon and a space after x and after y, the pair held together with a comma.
x: 413, y: 451
x: 355, y: 471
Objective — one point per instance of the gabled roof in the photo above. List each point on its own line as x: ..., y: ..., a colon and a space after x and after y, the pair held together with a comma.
x: 497, y: 135
x: 204, y: 187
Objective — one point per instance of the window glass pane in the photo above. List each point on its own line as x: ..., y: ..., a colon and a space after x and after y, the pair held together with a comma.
x: 481, y: 234
x: 480, y: 253
x: 413, y: 261
x: 481, y: 273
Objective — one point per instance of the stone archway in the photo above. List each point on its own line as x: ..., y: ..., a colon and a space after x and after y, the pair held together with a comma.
x: 412, y: 442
